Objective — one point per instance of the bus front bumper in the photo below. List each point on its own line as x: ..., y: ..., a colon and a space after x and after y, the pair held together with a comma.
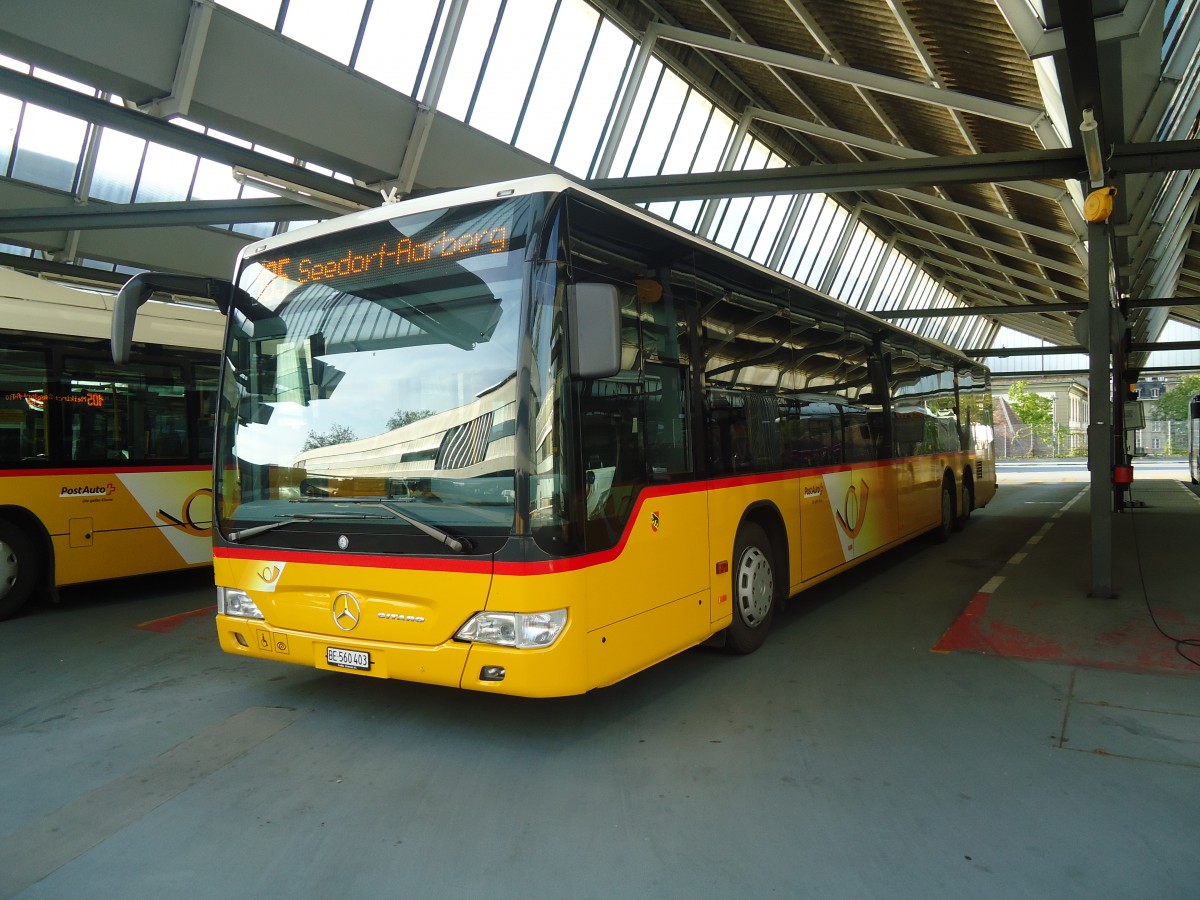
x: 473, y: 666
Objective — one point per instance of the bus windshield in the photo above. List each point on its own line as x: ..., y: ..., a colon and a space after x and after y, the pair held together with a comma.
x: 377, y: 364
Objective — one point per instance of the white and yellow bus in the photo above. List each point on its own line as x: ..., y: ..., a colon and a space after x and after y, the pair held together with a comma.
x: 105, y: 471
x: 524, y: 440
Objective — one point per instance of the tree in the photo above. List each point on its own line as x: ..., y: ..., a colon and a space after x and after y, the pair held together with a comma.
x: 337, y: 434
x: 402, y: 417
x: 1033, y: 409
x: 1173, y: 405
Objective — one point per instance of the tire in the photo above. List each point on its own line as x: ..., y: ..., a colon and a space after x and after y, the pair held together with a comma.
x: 755, y: 590
x: 942, y: 533
x: 19, y: 566
x: 968, y: 504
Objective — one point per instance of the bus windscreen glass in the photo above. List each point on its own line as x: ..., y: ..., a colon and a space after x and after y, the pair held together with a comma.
x: 376, y: 371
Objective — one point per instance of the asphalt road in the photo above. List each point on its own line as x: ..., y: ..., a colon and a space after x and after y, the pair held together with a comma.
x: 843, y: 760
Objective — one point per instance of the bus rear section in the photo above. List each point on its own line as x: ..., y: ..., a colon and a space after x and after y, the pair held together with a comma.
x: 105, y: 470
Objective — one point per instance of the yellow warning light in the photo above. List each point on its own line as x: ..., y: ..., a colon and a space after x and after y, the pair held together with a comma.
x: 648, y: 290
x: 1099, y: 204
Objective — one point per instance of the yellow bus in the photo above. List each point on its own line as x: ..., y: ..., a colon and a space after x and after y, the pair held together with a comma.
x: 105, y: 471
x: 522, y: 439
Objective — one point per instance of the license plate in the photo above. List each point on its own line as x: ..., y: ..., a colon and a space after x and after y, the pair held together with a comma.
x: 348, y: 659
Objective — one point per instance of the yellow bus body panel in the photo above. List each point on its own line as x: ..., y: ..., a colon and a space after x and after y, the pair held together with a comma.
x: 660, y: 590
x: 111, y: 524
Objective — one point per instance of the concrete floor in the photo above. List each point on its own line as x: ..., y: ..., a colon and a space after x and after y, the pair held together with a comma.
x: 845, y: 759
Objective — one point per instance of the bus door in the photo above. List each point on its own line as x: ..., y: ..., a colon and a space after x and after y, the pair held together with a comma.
x: 645, y: 522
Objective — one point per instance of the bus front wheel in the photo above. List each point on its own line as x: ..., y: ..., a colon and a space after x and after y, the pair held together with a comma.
x: 18, y: 569
x: 754, y: 590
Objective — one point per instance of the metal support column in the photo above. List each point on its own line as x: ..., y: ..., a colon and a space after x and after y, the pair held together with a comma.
x: 649, y: 39
x: 1100, y: 424
x: 414, y: 149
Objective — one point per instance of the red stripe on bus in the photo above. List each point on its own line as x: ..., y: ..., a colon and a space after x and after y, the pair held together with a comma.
x: 540, y: 567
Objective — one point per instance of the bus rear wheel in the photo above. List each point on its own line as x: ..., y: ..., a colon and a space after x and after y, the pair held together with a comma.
x: 754, y: 590
x: 968, y: 504
x: 942, y: 533
x: 18, y: 569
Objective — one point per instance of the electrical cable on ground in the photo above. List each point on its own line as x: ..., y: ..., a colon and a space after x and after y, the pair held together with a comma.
x: 1180, y: 643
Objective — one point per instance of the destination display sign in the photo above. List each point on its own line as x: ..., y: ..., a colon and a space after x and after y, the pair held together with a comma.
x: 397, y: 255
x: 459, y: 241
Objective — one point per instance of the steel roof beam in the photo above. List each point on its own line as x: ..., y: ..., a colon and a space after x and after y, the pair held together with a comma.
x: 986, y: 286
x: 1005, y: 249
x: 154, y: 215
x: 859, y: 176
x: 1037, y: 40
x: 982, y: 311
x: 884, y: 174
x: 1003, y: 352
x: 888, y: 84
x: 65, y: 270
x: 982, y: 215
x: 850, y: 139
x: 979, y: 262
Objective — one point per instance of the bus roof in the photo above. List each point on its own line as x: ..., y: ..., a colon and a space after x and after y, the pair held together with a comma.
x: 555, y: 184
x: 36, y: 305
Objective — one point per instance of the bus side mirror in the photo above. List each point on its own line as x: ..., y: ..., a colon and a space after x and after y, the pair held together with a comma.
x: 138, y: 289
x: 594, y: 317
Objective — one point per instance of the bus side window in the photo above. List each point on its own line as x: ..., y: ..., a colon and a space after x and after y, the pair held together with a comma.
x: 667, y: 449
x: 204, y: 387
x: 22, y: 405
x: 856, y: 437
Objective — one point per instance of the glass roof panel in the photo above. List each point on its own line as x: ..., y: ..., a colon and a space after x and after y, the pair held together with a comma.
x: 264, y: 12
x: 117, y: 162
x: 510, y: 67
x: 48, y: 148
x: 686, y: 140
x: 394, y: 42
x: 325, y: 27
x: 660, y: 125
x: 597, y: 94
x: 818, y: 250
x: 772, y: 225
x: 637, y: 118
x: 466, y: 62
x: 166, y: 174
x: 10, y: 115
x: 687, y: 214
x: 214, y: 181
x: 557, y: 79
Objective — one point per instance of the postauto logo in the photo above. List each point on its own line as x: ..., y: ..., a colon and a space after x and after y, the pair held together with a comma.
x: 91, y: 490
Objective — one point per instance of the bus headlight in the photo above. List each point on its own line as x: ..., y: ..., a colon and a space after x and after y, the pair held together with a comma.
x: 523, y: 630
x: 232, y: 602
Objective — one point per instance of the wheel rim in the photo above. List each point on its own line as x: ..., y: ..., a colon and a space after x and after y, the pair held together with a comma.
x: 755, y: 587
x: 8, y: 569
x: 947, y: 506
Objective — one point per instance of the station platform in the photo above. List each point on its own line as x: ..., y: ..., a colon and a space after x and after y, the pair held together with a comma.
x: 1037, y: 606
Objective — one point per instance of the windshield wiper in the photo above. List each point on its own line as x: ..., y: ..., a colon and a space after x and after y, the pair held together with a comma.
x: 290, y: 519
x: 458, y: 545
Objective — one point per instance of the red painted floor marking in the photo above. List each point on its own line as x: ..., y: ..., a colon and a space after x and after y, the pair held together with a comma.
x: 965, y: 629
x: 167, y: 624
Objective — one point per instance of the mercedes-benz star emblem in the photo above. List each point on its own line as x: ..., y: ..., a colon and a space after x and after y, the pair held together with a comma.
x: 346, y: 611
